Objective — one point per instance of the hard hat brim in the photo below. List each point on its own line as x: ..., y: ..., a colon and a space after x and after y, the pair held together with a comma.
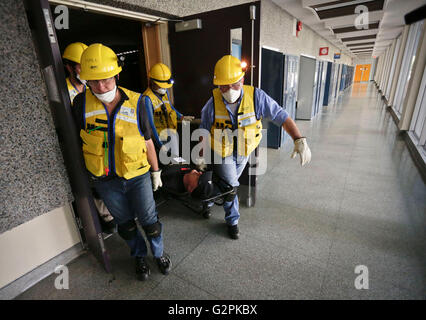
x: 70, y: 58
x: 163, y: 85
x: 219, y: 82
x: 99, y: 76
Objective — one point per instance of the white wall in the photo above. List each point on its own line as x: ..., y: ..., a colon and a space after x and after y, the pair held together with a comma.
x: 363, y: 60
x: 276, y: 31
x: 31, y: 244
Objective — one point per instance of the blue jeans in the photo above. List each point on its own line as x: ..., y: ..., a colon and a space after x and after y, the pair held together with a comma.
x: 130, y: 199
x: 230, y: 171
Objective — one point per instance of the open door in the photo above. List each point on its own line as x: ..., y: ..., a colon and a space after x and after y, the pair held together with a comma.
x: 291, y: 69
x: 272, y: 82
x: 49, y: 55
x: 328, y: 84
x: 366, y: 73
x: 307, y: 88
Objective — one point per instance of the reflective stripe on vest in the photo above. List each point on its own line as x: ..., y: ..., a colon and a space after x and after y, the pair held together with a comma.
x: 162, y: 120
x: 124, y: 153
x: 249, y: 131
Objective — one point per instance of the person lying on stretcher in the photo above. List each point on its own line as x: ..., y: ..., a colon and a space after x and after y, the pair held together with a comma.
x: 204, y: 186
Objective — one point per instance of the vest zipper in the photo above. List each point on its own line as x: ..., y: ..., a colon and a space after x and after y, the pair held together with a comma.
x: 111, y: 167
x: 112, y: 135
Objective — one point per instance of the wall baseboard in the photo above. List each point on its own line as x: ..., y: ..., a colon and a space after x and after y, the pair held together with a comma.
x: 394, y: 116
x: 20, y: 285
x: 415, y: 154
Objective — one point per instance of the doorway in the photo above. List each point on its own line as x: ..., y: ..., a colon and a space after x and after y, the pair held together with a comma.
x: 307, y: 88
x: 362, y: 73
x: 123, y: 36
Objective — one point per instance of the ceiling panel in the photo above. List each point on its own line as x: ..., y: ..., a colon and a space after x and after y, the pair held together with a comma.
x: 372, y: 36
x: 355, y: 49
x: 335, y: 21
x: 347, y: 21
x: 353, y: 28
x: 329, y: 3
x: 358, y: 33
x: 347, y: 10
x: 359, y: 44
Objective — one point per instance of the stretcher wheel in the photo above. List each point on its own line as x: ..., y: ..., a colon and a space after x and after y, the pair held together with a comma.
x: 207, y: 213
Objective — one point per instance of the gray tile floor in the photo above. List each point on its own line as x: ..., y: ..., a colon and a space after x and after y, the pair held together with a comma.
x: 361, y: 201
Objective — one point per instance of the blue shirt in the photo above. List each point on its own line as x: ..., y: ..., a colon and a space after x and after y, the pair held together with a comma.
x: 150, y: 112
x: 265, y: 107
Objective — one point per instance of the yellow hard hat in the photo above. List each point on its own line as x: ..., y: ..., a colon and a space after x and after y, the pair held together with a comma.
x: 161, y: 75
x: 98, y: 62
x: 74, y: 51
x: 227, y: 70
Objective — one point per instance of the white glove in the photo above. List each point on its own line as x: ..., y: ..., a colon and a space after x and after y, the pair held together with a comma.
x: 301, y: 148
x: 200, y: 164
x: 188, y: 118
x: 156, y: 180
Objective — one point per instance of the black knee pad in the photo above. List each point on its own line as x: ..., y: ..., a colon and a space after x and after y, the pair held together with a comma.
x: 231, y: 196
x: 153, y: 230
x: 127, y: 230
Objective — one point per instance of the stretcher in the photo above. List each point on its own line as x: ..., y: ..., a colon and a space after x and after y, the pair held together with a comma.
x: 199, y: 206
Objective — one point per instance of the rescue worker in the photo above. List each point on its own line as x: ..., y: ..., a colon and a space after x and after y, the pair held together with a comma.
x: 118, y: 153
x: 240, y: 107
x: 162, y: 115
x: 71, y: 59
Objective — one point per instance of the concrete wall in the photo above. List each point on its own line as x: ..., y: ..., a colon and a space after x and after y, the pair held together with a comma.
x: 276, y: 32
x: 178, y: 8
x: 33, y: 180
x: 32, y: 177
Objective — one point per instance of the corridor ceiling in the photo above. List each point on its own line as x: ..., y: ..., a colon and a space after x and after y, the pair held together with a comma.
x: 335, y: 21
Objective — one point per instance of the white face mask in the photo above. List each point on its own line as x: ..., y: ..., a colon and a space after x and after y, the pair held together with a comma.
x: 81, y: 80
x: 161, y: 91
x: 107, y: 96
x: 231, y: 95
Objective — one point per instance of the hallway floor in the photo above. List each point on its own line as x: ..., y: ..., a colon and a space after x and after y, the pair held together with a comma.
x: 360, y: 202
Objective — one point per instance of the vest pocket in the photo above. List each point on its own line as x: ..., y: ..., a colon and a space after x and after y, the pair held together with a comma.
x: 134, y: 158
x: 132, y: 149
x: 133, y: 169
x: 93, y: 153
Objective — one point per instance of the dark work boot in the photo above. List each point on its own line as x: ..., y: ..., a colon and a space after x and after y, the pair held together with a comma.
x: 233, y: 231
x: 164, y: 264
x: 142, y: 269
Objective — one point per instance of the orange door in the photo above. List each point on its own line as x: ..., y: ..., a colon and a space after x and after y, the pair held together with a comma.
x: 358, y: 72
x: 366, y: 72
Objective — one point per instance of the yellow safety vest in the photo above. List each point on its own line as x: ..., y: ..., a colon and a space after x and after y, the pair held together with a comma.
x: 72, y: 91
x: 124, y: 153
x: 249, y: 131
x: 163, y: 119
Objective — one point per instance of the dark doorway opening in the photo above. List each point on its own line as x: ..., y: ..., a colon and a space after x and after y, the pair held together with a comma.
x: 121, y: 35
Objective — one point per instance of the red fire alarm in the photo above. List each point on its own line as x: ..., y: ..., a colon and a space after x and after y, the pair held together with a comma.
x: 323, y: 51
x: 298, y: 27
